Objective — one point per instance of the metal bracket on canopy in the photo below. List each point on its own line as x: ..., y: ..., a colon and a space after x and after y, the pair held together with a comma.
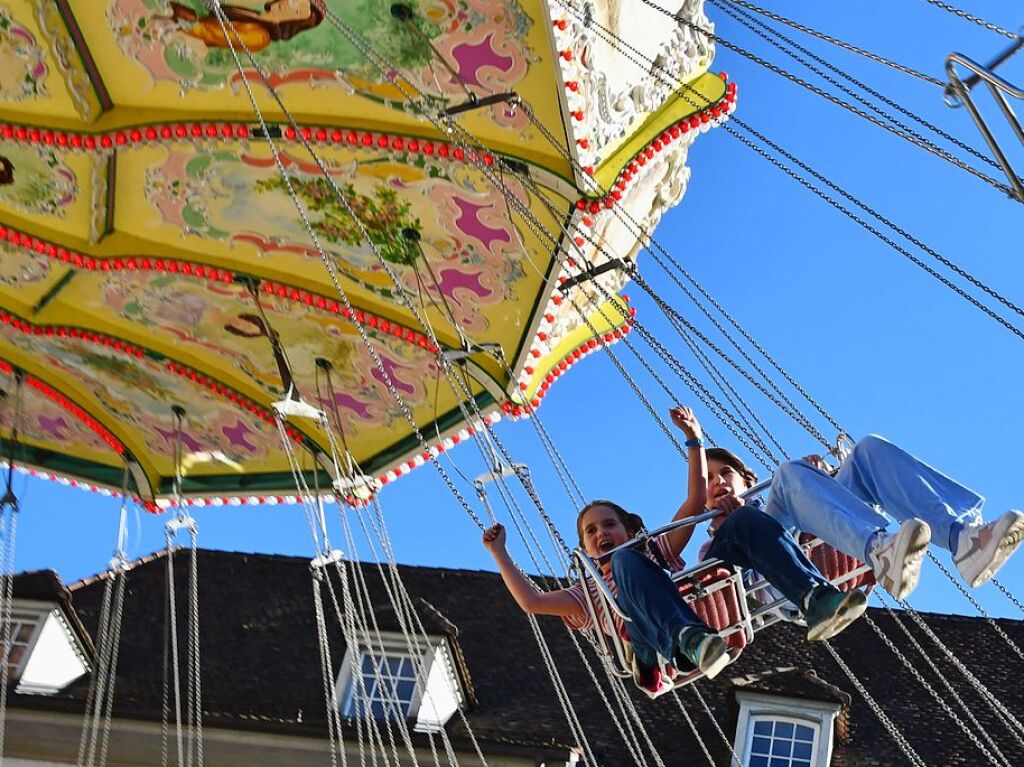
x: 468, y: 349
x: 958, y: 92
x: 293, y: 405
x: 594, y: 271
x: 475, y: 102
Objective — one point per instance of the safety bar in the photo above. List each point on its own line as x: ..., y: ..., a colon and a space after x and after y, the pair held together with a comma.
x: 958, y: 92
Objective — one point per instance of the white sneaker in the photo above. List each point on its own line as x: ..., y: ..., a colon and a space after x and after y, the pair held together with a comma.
x: 896, y: 558
x: 983, y: 549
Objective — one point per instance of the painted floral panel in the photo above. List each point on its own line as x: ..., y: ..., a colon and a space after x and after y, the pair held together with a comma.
x: 468, y: 253
x: 22, y: 60
x: 483, y: 41
x: 34, y: 180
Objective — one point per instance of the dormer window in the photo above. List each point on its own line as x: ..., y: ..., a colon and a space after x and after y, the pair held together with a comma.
x: 22, y: 633
x: 779, y: 731
x: 391, y: 681
x: 44, y: 654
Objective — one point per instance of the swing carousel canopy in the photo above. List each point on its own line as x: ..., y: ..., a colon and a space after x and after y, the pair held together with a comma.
x: 142, y: 213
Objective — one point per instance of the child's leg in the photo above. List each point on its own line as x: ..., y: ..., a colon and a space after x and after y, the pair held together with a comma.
x: 751, y: 538
x: 809, y: 500
x: 879, y: 472
x: 651, y: 600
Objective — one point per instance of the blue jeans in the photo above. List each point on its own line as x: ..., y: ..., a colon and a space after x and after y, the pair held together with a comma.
x: 840, y: 510
x: 749, y: 538
x: 657, y: 612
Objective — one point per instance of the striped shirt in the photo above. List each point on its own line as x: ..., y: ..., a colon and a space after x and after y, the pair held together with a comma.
x: 584, y: 621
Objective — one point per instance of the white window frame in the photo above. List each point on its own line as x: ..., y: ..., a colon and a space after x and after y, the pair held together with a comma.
x: 22, y: 614
x: 818, y: 715
x: 426, y: 656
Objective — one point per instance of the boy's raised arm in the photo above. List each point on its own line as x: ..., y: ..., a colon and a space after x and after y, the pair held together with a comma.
x: 559, y: 603
x: 696, y: 476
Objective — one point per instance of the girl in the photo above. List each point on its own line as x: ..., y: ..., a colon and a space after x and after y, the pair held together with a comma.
x: 661, y: 623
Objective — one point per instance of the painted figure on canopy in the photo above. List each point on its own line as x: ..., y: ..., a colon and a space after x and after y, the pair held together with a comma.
x: 279, y: 20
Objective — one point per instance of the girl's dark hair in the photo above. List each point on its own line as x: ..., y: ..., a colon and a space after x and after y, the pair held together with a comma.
x: 632, y: 522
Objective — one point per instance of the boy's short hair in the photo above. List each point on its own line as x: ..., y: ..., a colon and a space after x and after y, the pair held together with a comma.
x: 729, y: 458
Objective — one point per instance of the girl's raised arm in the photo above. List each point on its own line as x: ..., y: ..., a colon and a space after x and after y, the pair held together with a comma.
x: 697, y: 476
x: 559, y: 603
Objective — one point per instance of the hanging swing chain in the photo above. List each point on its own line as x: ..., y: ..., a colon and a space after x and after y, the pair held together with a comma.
x: 327, y: 673
x: 1012, y: 723
x: 973, y: 19
x: 887, y: 723
x: 620, y: 44
x: 751, y: 23
x: 733, y: 756
x: 693, y: 729
x: 1006, y: 593
x: 1001, y: 762
x: 797, y: 80
x: 332, y: 273
x: 841, y: 44
x: 409, y: 621
x: 950, y: 689
x: 977, y: 605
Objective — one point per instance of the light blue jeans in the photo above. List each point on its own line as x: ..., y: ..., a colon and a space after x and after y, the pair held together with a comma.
x: 841, y: 510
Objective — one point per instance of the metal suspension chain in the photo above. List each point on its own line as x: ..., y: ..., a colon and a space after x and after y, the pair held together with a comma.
x: 756, y: 25
x: 637, y: 229
x: 1006, y: 593
x: 950, y: 690
x: 693, y: 728
x: 1012, y: 724
x: 934, y: 694
x: 887, y: 240
x: 733, y: 756
x: 795, y: 79
x: 337, y: 750
x: 977, y: 605
x: 873, y: 213
x: 887, y: 723
x: 841, y: 44
x: 971, y: 18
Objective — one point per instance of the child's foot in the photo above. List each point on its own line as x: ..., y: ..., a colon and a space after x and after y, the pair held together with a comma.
x: 982, y: 550
x: 830, y: 610
x: 896, y: 558
x: 707, y: 651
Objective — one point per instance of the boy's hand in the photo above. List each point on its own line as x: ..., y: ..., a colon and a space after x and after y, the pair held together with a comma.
x: 818, y: 463
x: 726, y: 503
x: 686, y: 421
x: 494, y: 539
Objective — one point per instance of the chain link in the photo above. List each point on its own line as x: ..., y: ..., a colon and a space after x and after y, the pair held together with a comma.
x: 841, y: 44
x: 977, y: 605
x: 1006, y: 593
x: 750, y: 22
x: 973, y: 19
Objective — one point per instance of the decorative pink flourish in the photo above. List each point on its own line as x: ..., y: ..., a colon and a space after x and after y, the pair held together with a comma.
x: 470, y: 223
x: 452, y: 280
x: 186, y: 439
x: 341, y: 399
x: 237, y: 435
x: 55, y: 427
x: 392, y: 368
x: 472, y: 58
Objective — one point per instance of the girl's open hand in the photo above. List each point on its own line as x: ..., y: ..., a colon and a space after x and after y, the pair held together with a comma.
x: 686, y: 421
x: 494, y: 539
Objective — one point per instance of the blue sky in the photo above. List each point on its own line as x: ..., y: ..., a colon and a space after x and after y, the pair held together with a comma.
x: 884, y: 347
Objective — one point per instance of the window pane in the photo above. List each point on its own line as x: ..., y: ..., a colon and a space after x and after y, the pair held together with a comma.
x: 801, y: 750
x: 776, y: 762
x: 761, y: 745
x: 783, y: 730
x: 801, y: 763
x: 782, y: 747
x: 804, y: 733
x: 762, y: 728
x: 758, y: 761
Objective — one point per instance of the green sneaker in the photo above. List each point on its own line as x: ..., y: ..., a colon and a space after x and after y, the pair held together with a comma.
x: 830, y: 610
x: 707, y: 651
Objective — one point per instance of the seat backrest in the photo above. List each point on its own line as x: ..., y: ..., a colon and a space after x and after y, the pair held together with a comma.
x: 834, y: 564
x: 722, y: 607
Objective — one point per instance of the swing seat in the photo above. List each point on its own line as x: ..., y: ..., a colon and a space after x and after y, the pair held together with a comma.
x: 842, y: 570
